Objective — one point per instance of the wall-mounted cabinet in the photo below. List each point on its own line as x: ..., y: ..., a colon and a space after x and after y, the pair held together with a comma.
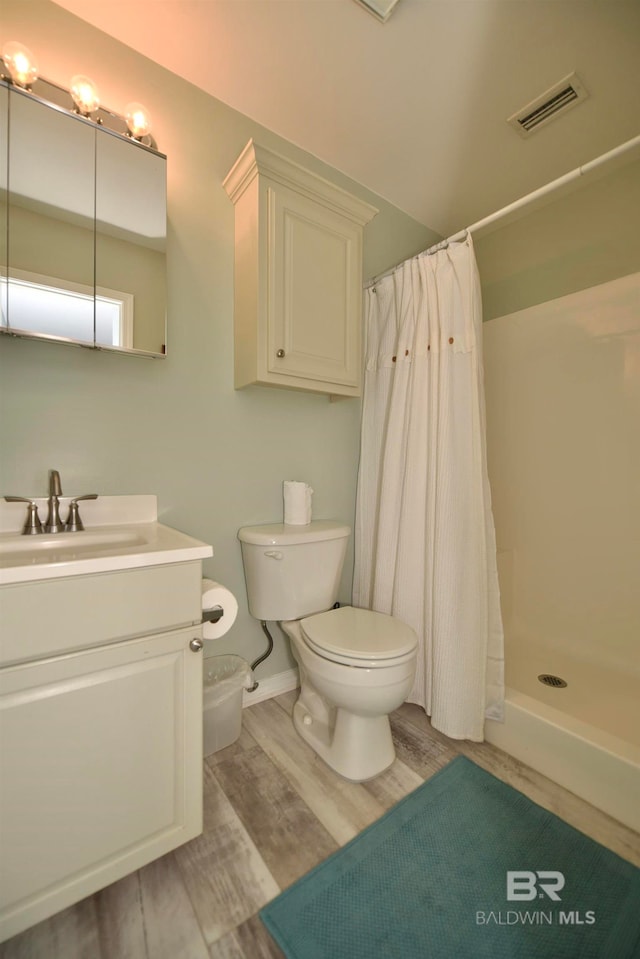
x: 298, y: 276
x: 82, y: 226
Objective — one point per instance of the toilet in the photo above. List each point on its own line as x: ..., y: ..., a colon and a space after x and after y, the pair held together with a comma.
x: 356, y: 666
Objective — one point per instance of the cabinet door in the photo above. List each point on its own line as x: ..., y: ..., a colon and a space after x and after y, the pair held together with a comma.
x: 101, y: 769
x: 314, y: 291
x: 51, y: 218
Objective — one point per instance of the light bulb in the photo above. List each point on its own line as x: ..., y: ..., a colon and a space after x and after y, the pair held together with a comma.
x: 138, y: 120
x: 84, y: 94
x: 20, y: 62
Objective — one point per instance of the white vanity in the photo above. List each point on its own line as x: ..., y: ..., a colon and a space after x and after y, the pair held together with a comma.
x: 101, y: 703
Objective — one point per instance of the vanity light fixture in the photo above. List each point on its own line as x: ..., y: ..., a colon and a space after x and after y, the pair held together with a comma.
x: 21, y: 64
x: 84, y: 94
x: 18, y: 66
x: 138, y: 120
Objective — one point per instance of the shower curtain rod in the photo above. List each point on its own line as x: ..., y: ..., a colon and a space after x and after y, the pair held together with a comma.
x: 523, y: 201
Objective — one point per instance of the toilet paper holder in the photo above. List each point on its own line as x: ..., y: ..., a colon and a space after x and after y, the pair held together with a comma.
x: 212, y: 615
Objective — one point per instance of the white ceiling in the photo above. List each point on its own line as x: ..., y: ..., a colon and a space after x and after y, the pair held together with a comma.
x: 416, y: 108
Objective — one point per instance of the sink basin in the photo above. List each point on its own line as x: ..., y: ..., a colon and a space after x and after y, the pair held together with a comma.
x: 95, y: 550
x: 28, y: 548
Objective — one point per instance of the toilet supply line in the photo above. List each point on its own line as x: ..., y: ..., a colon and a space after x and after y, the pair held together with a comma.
x: 261, y: 659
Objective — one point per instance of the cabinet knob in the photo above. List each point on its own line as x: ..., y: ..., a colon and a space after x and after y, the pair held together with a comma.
x: 280, y: 354
x: 196, y: 645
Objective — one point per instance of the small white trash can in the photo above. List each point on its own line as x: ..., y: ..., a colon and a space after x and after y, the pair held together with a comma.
x: 225, y: 677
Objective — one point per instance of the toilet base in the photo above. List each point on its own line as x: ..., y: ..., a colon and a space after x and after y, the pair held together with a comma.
x: 358, y: 748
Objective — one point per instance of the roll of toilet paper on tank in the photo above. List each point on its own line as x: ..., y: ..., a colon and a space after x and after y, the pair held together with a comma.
x: 297, y: 503
x: 215, y: 595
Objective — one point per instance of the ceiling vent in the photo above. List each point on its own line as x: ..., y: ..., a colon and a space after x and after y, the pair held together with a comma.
x: 564, y: 95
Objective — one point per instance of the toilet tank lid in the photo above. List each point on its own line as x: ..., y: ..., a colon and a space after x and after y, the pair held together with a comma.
x: 281, y: 534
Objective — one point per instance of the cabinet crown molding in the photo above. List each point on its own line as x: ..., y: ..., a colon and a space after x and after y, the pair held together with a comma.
x: 256, y: 159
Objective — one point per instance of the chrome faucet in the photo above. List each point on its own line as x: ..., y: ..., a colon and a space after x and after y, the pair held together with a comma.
x: 53, y: 524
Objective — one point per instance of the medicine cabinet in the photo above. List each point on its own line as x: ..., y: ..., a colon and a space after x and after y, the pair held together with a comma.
x: 82, y: 228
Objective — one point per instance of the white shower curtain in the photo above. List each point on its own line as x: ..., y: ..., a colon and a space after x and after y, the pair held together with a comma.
x: 425, y: 539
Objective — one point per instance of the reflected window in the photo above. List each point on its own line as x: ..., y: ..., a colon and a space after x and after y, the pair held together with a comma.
x: 48, y: 306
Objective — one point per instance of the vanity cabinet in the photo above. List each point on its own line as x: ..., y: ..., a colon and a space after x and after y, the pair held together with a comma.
x: 298, y: 276
x: 101, y: 732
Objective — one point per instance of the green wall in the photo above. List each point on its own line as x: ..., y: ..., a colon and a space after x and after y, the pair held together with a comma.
x: 576, y: 240
x: 176, y: 427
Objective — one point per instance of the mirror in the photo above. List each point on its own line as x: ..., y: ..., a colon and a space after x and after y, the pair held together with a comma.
x: 130, y: 243
x: 4, y: 135
x: 85, y: 214
x: 50, y: 223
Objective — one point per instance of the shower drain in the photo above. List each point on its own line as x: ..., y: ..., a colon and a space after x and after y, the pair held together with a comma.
x: 549, y: 680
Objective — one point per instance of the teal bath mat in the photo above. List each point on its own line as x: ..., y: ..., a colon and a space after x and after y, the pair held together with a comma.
x: 465, y: 867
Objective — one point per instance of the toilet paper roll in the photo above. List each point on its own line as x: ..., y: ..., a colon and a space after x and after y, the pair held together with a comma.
x: 297, y: 503
x: 215, y: 595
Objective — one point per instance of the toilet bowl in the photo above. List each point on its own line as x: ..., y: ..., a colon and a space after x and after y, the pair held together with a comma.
x: 356, y: 666
x: 348, y: 689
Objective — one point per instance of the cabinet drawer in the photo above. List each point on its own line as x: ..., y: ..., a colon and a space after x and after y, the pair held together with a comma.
x: 85, y: 611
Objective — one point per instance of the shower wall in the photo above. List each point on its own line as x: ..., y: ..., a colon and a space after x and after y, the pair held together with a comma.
x: 563, y: 433
x: 562, y: 379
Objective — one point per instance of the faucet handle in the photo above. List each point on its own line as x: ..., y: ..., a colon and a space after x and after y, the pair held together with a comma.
x: 74, y: 524
x: 32, y: 523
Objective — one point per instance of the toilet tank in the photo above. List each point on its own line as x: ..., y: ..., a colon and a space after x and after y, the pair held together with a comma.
x: 292, y: 571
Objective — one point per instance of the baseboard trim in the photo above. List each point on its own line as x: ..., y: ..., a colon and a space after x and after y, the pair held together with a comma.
x: 272, y: 686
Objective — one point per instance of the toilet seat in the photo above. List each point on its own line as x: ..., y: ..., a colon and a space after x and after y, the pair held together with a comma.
x: 359, y: 637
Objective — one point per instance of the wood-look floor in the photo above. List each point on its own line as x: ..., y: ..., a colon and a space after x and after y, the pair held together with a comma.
x: 272, y: 811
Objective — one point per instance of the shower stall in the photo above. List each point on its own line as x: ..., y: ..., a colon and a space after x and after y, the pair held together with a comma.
x: 562, y: 386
